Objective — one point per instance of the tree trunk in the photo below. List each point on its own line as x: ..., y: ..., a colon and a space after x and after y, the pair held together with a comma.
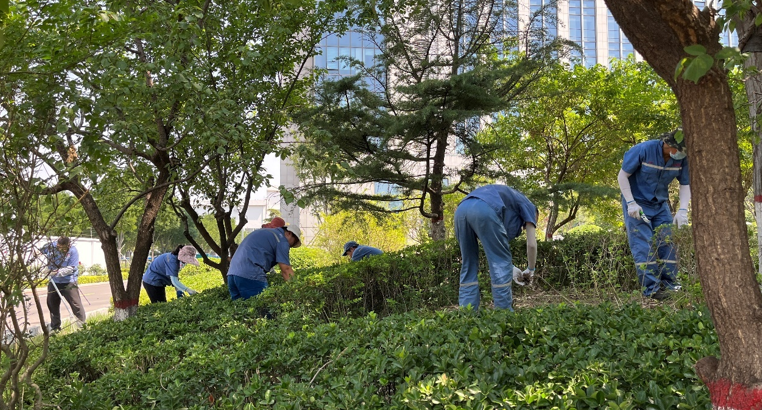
x: 659, y: 30
x: 128, y: 306
x: 550, y: 229
x: 753, y: 87
x: 758, y: 190
x: 435, y: 188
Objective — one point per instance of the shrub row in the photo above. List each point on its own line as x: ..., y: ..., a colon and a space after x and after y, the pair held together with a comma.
x: 427, y: 276
x: 206, y: 352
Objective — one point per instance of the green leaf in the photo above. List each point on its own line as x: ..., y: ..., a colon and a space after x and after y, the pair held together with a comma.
x: 695, y: 50
x: 727, y: 52
x: 758, y: 20
x: 679, y: 136
x: 680, y: 67
x: 698, y: 67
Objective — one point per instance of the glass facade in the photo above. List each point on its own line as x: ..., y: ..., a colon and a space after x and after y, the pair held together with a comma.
x: 619, y: 46
x: 542, y: 20
x: 337, y: 50
x: 582, y: 30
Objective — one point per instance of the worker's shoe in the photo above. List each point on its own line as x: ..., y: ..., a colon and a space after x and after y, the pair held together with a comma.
x: 660, y: 295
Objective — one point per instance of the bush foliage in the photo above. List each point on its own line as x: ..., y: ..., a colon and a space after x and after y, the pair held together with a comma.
x: 427, y: 276
x: 373, y: 334
x: 206, y: 352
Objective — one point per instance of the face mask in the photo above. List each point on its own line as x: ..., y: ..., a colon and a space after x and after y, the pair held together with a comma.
x: 678, y: 155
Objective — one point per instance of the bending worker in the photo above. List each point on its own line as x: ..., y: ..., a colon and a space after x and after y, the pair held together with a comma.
x: 357, y: 252
x: 647, y: 170
x: 63, y: 265
x: 164, y: 270
x: 259, y: 252
x: 493, y: 214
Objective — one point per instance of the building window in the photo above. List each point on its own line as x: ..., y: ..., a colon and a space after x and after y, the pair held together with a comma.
x: 582, y: 30
x: 336, y: 52
x: 619, y: 46
x: 386, y: 188
x: 546, y: 20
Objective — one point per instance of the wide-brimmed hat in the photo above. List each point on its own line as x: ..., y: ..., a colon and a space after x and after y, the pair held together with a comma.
x: 296, y: 235
x: 349, y: 245
x: 188, y: 255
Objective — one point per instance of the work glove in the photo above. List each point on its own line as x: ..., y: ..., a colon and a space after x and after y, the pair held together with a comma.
x: 191, y: 292
x: 180, y: 294
x: 522, y: 278
x: 528, y: 276
x: 634, y: 210
x: 681, y: 218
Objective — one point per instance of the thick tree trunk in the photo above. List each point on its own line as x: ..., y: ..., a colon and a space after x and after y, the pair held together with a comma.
x: 659, y: 30
x: 758, y: 194
x: 753, y: 87
x: 128, y: 306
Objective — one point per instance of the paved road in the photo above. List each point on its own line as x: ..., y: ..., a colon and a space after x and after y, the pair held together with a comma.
x: 97, y: 294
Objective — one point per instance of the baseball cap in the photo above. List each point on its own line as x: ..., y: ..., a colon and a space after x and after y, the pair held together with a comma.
x: 349, y: 245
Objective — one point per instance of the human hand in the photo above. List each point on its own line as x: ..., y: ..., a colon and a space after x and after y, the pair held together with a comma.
x: 191, y: 292
x: 522, y: 278
x: 634, y: 210
x: 681, y: 217
x: 528, y: 276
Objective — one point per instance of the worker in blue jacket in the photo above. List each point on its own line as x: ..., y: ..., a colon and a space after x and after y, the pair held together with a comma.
x: 647, y: 170
x: 494, y: 215
x: 357, y: 252
x: 259, y: 252
x: 164, y: 271
x: 63, y: 266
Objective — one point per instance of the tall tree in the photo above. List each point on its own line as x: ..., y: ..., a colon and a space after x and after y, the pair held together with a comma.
x: 661, y: 30
x: 443, y: 65
x: 143, y: 95
x: 261, y: 86
x: 563, y: 142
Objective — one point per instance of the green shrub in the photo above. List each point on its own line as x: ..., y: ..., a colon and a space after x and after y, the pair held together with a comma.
x: 582, y: 229
x: 206, y: 352
x: 305, y: 258
x: 427, y: 276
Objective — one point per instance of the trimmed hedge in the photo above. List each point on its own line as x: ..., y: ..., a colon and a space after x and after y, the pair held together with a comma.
x: 206, y: 352
x: 427, y: 276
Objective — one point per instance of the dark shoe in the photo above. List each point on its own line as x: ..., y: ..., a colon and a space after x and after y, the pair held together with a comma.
x: 660, y: 295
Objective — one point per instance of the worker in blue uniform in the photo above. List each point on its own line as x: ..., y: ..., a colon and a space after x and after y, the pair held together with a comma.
x: 357, y: 252
x: 494, y: 215
x: 647, y: 170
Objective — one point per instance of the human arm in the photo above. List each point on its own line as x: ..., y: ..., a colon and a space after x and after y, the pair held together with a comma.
x: 531, y: 245
x: 633, y: 209
x: 180, y: 286
x: 286, y: 270
x: 681, y: 216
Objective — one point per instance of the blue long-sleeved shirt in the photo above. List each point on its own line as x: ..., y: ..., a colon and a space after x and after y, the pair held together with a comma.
x: 67, y: 264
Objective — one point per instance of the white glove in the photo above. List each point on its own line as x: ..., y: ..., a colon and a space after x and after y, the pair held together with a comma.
x: 522, y: 278
x: 528, y: 276
x: 681, y: 217
x: 633, y: 209
x: 517, y: 276
x: 191, y: 291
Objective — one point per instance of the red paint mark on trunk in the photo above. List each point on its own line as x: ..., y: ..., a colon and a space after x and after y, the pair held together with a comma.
x: 725, y: 394
x: 124, y: 304
x: 757, y: 198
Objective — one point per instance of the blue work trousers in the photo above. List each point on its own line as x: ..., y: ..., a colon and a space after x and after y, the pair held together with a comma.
x: 476, y: 220
x: 242, y: 288
x: 652, y: 248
